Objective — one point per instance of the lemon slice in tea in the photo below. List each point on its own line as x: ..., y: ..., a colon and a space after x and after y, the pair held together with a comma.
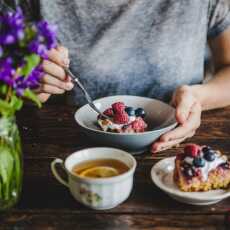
x: 99, y: 172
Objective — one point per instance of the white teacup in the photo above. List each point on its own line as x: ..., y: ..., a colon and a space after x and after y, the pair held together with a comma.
x: 97, y: 193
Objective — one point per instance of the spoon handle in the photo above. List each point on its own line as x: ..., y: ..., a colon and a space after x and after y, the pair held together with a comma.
x: 87, y: 96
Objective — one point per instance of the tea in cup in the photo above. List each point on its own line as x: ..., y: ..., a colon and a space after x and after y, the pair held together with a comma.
x: 100, y: 178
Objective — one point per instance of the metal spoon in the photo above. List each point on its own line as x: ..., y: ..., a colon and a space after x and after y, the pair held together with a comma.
x: 87, y: 96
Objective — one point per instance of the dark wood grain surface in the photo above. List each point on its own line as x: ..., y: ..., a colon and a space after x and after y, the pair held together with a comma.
x: 45, y: 204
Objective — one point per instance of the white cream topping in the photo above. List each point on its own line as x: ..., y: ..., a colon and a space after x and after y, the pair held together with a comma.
x: 108, y: 125
x: 210, y: 165
x: 112, y: 125
x: 115, y: 126
x: 188, y: 160
x: 132, y: 118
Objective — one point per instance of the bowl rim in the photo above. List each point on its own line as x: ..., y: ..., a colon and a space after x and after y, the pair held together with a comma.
x: 123, y: 134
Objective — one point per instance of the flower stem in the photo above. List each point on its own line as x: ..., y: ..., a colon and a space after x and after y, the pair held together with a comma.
x: 9, y: 93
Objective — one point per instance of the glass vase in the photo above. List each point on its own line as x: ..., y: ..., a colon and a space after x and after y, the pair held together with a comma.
x: 10, y: 163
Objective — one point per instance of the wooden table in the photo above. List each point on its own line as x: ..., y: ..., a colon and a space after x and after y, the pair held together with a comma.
x: 45, y: 204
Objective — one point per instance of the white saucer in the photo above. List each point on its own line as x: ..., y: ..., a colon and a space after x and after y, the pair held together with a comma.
x: 162, y: 176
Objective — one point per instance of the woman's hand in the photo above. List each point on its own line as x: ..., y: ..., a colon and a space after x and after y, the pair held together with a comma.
x: 188, y: 116
x: 54, y: 80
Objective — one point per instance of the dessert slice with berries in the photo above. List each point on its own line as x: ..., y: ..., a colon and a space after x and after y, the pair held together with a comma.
x: 201, y: 168
x: 123, y: 119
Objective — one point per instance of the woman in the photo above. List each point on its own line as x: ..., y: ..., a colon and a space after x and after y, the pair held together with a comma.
x: 143, y: 47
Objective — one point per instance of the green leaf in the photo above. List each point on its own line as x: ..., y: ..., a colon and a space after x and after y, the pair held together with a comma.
x: 30, y: 32
x: 32, y: 61
x: 6, y: 168
x: 9, y: 108
x: 29, y: 35
x: 16, y: 103
x: 33, y: 97
x: 3, y: 89
x: 5, y: 108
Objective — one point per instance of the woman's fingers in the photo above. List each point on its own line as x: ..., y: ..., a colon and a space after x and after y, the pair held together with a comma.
x: 59, y: 56
x: 49, y: 89
x: 54, y: 69
x: 192, y: 123
x: 43, y: 97
x: 160, y: 146
x: 50, y: 80
x: 188, y: 115
x: 54, y: 66
x: 183, y: 100
x: 64, y: 52
x: 177, y: 133
x: 182, y: 132
x: 55, y: 80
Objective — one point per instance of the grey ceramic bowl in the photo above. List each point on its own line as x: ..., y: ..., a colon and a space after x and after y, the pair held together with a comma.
x: 160, y: 118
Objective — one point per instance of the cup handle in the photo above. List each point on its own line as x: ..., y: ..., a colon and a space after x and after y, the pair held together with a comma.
x: 55, y: 173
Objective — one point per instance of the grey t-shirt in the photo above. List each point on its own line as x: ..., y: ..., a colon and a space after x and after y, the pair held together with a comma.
x: 136, y: 47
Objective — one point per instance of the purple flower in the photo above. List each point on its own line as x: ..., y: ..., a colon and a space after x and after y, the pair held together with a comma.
x: 1, y: 51
x: 20, y: 83
x: 7, y: 71
x: 44, y: 40
x: 20, y: 68
x: 38, y: 48
x: 12, y: 27
x: 31, y: 82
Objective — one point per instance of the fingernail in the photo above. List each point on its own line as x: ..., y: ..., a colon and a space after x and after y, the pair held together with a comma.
x: 69, y: 79
x: 153, y: 148
x: 159, y: 148
x: 66, y: 61
x: 153, y: 151
x: 69, y: 85
x: 156, y: 148
x: 164, y: 139
x: 183, y: 116
x: 66, y: 78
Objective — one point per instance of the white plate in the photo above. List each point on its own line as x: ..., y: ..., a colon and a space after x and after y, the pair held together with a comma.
x: 162, y: 176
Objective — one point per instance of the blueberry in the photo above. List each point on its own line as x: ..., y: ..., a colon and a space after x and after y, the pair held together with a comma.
x: 225, y: 165
x: 100, y: 117
x: 210, y: 155
x: 198, y: 162
x: 130, y: 111
x: 140, y: 112
x: 186, y: 165
x: 189, y: 172
x: 206, y: 149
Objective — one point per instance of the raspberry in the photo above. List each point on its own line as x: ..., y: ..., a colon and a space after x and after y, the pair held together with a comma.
x: 121, y: 118
x: 198, y: 173
x: 180, y: 156
x: 139, y: 125
x: 118, y: 107
x: 189, y: 172
x: 99, y: 117
x: 108, y: 112
x: 192, y: 150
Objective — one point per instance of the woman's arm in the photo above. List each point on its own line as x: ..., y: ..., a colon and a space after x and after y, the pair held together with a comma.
x: 189, y: 101
x: 216, y: 93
